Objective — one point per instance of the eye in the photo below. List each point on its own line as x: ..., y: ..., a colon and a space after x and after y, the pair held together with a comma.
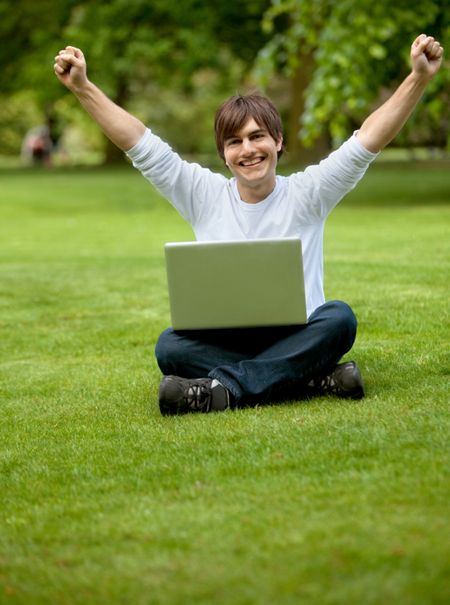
x: 231, y: 142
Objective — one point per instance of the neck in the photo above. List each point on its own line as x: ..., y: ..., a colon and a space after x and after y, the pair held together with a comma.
x: 255, y: 194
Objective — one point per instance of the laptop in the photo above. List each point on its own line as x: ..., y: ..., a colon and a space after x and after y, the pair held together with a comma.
x: 235, y: 284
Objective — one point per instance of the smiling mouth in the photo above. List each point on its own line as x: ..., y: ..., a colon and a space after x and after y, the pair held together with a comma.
x: 250, y: 163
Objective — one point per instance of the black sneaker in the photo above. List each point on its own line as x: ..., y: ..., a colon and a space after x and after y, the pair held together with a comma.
x: 182, y: 395
x: 344, y: 381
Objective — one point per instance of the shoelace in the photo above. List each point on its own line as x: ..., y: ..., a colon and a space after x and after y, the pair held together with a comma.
x: 327, y: 384
x: 198, y: 396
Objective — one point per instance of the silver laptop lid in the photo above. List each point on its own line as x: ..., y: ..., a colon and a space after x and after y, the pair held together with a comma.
x: 234, y: 284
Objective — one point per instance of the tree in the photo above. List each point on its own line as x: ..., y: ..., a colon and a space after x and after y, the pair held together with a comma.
x: 351, y: 51
x: 140, y: 52
x: 29, y: 32
x: 143, y: 49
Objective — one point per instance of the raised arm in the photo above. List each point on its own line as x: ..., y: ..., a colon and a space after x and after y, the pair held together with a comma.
x: 122, y: 128
x: 385, y: 123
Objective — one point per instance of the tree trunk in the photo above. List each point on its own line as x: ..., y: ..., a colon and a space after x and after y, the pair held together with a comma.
x: 114, y: 155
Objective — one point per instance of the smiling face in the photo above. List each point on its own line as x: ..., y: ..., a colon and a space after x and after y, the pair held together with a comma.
x: 249, y: 138
x: 252, y: 154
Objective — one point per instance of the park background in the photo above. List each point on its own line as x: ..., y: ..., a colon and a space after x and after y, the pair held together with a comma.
x: 326, y: 64
x: 102, y: 499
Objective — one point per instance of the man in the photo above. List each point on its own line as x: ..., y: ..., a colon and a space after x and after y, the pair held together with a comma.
x: 213, y: 370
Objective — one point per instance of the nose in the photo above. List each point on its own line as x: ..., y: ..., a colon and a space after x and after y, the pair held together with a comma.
x: 247, y: 147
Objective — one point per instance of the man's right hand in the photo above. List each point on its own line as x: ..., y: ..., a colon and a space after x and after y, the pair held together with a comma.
x: 121, y: 127
x: 70, y: 68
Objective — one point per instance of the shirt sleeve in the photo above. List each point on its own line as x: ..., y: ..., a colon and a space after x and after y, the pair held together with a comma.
x: 321, y: 187
x: 187, y: 186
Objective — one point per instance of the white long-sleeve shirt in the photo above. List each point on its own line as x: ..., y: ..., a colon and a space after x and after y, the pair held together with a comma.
x: 297, y: 207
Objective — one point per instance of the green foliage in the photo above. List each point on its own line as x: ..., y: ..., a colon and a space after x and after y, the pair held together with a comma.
x: 135, y: 48
x: 17, y: 113
x: 148, y: 54
x: 105, y: 502
x: 29, y: 32
x: 357, y: 48
x: 139, y: 52
x: 183, y: 119
x: 131, y: 44
x: 169, y: 62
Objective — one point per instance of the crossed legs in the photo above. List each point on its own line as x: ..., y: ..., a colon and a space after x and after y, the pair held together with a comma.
x: 262, y: 364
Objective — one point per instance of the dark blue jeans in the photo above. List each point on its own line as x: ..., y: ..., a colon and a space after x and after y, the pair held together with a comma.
x: 262, y: 364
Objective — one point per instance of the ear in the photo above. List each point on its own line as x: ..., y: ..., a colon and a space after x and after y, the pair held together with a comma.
x: 280, y: 144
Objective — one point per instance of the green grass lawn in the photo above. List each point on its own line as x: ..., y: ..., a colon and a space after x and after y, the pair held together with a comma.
x: 103, y: 501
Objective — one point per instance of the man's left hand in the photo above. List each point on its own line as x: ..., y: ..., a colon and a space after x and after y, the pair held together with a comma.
x: 426, y: 56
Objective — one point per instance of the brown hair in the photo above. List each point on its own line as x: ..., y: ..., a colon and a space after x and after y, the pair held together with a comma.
x: 235, y: 113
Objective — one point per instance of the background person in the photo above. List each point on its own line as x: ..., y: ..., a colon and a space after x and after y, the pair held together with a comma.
x: 37, y: 146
